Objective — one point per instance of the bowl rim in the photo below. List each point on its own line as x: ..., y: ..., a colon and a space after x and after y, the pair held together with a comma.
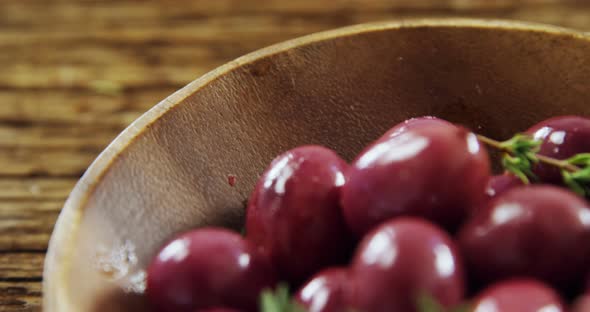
x: 63, y: 238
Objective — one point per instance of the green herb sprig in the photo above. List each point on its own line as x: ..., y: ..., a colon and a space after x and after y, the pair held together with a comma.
x: 279, y: 300
x: 521, y: 153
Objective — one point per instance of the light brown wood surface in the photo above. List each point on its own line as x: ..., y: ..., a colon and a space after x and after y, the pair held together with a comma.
x: 75, y: 73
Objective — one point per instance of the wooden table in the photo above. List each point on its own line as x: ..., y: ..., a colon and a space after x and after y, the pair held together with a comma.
x: 73, y: 74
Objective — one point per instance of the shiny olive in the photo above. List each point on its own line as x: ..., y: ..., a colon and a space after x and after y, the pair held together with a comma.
x: 539, y: 231
x: 402, y: 260
x: 206, y: 268
x: 294, y: 214
x: 427, y: 168
x: 518, y: 295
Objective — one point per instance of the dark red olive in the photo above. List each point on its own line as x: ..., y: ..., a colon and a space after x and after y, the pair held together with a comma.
x: 501, y: 183
x: 326, y: 291
x: 429, y: 168
x: 411, y: 123
x: 294, y: 215
x: 205, y: 268
x: 536, y: 231
x: 402, y: 260
x: 562, y: 138
x: 518, y: 295
x: 219, y: 310
x: 581, y: 304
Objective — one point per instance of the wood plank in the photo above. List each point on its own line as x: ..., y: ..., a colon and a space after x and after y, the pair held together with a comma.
x: 27, y: 225
x: 35, y: 189
x: 40, y: 162
x: 21, y: 266
x: 27, y: 75
x: 89, y: 106
x: 149, y: 54
x: 129, y: 11
x: 209, y: 30
x: 52, y: 150
x: 92, y: 15
x: 56, y: 136
x: 20, y: 296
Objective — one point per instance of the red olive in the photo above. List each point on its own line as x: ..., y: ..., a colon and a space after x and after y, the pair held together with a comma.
x: 501, y: 183
x: 518, y: 295
x: 326, y: 291
x: 562, y: 138
x: 411, y: 123
x: 536, y: 231
x: 400, y: 261
x: 206, y: 268
x: 429, y: 168
x: 294, y: 215
x: 581, y: 304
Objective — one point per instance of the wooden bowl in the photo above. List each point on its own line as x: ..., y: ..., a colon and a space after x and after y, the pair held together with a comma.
x: 168, y: 172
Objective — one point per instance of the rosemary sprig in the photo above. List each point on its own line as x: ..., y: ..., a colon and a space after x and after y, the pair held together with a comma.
x: 279, y: 300
x: 520, y: 154
x: 577, y: 176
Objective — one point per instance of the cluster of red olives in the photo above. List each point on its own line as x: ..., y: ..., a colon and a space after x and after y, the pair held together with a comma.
x: 416, y: 214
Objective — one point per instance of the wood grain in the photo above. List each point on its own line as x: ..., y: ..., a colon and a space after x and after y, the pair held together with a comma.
x: 21, y: 266
x: 75, y: 73
x: 20, y: 296
x: 36, y: 189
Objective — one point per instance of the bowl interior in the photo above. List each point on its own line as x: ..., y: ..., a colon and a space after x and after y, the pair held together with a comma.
x: 341, y: 89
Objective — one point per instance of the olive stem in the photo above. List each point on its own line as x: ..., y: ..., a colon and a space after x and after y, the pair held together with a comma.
x: 561, y: 164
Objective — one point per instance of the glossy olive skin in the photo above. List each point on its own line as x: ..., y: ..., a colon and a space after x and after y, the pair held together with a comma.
x: 562, y: 137
x: 294, y: 215
x: 534, y: 231
x: 206, y: 268
x: 400, y: 261
x: 327, y: 291
x: 518, y: 295
x: 413, y: 123
x: 427, y: 168
x: 499, y: 184
x: 218, y: 310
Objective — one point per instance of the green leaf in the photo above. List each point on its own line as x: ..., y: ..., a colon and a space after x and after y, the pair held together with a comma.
x: 572, y: 183
x: 532, y: 157
x: 278, y: 301
x: 427, y: 303
x: 580, y: 159
x: 520, y: 156
x: 518, y: 166
x: 582, y: 175
x: 521, y: 143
